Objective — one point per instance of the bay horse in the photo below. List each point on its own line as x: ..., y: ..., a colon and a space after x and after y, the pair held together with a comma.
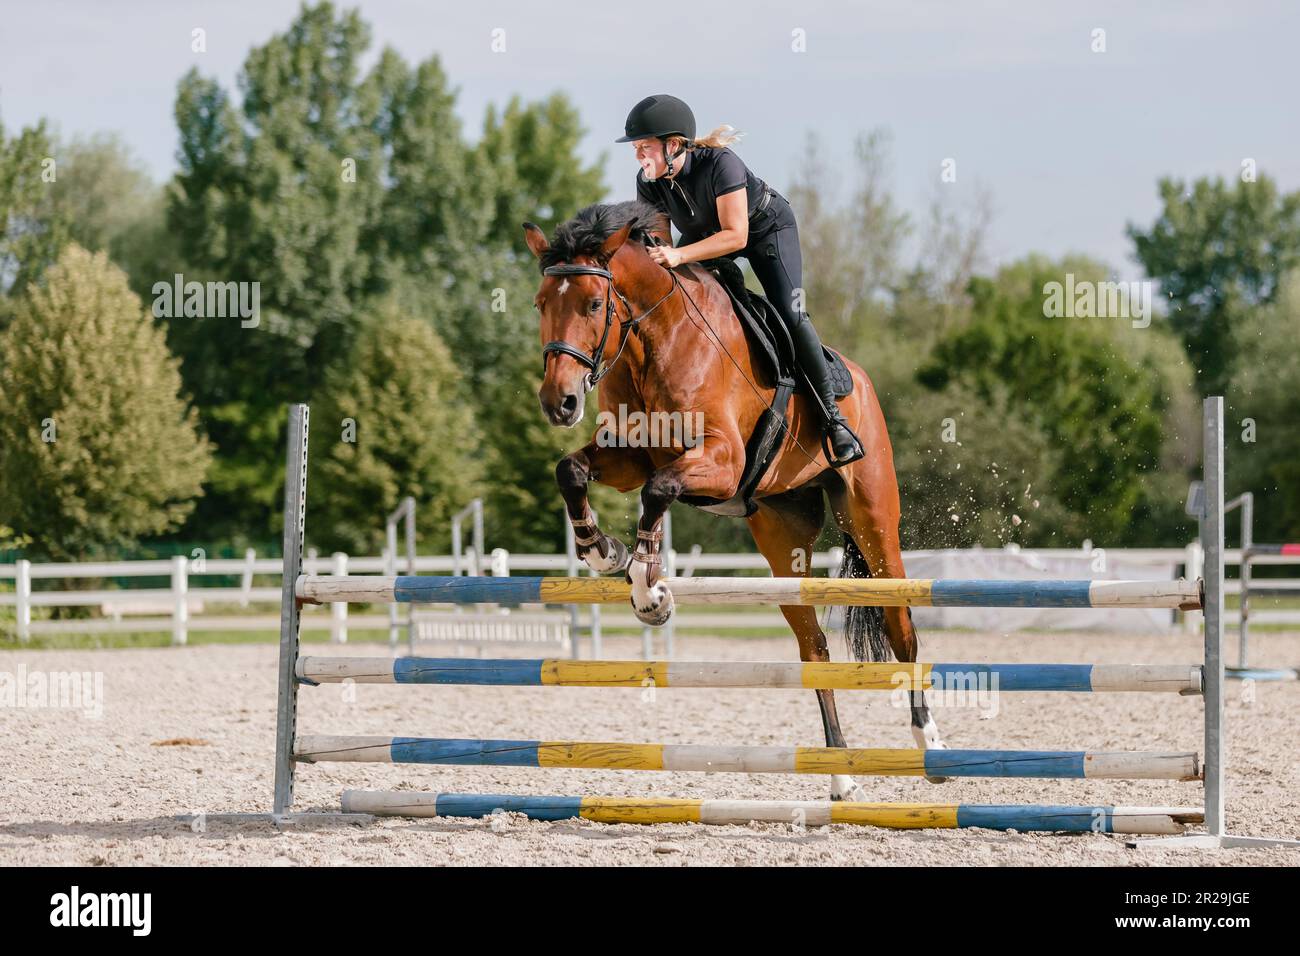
x: 657, y: 340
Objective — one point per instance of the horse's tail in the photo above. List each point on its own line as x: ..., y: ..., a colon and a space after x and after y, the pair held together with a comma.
x: 864, y: 627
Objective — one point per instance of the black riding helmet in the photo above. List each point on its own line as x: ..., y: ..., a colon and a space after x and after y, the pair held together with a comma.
x: 660, y: 115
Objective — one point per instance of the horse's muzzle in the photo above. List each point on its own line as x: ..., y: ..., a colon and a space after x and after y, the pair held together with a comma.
x: 562, y: 410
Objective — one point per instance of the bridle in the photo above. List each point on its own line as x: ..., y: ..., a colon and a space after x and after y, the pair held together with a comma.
x: 595, y: 360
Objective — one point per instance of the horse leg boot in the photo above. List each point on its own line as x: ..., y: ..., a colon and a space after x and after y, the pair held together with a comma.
x: 656, y: 605
x: 652, y: 602
x: 842, y: 445
x: 601, y: 552
x: 715, y: 473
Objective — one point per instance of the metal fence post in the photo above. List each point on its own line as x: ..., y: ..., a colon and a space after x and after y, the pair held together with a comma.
x: 295, y: 517
x: 1212, y: 576
x: 404, y: 512
x: 1211, y: 511
x: 1247, y: 542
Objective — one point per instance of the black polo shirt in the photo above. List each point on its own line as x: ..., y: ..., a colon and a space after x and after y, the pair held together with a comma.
x: 691, y: 197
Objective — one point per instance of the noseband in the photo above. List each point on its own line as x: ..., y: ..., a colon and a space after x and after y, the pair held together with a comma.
x: 595, y: 361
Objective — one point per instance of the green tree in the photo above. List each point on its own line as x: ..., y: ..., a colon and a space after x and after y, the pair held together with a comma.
x: 337, y: 190
x: 29, y: 242
x: 265, y: 194
x: 1263, y: 435
x: 97, y: 446
x: 392, y: 421
x: 529, y: 151
x: 107, y: 201
x: 1096, y: 406
x: 1218, y: 252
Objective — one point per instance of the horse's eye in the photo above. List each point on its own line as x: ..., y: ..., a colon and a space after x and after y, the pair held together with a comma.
x: 596, y: 305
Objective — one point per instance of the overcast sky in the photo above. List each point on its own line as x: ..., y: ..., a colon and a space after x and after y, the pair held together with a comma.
x: 1069, y: 142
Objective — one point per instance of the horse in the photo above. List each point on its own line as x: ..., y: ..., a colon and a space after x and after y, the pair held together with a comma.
x: 654, y: 341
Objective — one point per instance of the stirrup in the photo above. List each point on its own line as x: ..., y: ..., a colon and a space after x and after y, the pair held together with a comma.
x: 857, y: 454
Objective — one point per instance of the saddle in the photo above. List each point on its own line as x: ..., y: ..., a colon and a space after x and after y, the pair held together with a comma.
x: 766, y: 331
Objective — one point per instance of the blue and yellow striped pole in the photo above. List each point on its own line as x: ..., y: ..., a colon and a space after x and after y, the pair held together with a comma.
x: 837, y: 675
x: 604, y: 755
x: 897, y: 816
x: 881, y: 592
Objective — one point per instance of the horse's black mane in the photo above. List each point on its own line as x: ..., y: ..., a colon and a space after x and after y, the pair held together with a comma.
x: 585, y: 233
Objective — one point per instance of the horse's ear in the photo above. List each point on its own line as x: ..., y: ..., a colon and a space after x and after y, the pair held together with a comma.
x: 536, y: 239
x: 615, y: 242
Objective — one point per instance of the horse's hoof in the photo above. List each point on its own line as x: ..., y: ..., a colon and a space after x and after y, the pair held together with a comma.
x: 617, y: 560
x: 660, y: 609
x: 847, y: 790
x: 927, y: 738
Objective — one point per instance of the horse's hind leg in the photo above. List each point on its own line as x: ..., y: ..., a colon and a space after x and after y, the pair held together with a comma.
x: 785, y: 528
x: 865, y: 505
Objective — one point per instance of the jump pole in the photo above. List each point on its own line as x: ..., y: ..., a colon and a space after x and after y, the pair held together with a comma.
x: 689, y: 758
x: 1247, y: 505
x: 791, y: 675
x: 816, y: 592
x: 811, y: 813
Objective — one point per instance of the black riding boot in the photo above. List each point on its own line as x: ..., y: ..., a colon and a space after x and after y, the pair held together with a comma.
x: 841, y: 445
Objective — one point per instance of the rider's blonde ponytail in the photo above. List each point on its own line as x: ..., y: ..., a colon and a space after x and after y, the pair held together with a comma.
x: 723, y: 135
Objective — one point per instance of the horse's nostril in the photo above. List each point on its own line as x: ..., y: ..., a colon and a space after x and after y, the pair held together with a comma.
x: 570, y: 404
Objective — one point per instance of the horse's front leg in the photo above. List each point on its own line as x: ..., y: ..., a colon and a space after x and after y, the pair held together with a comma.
x: 713, y: 470
x: 620, y: 468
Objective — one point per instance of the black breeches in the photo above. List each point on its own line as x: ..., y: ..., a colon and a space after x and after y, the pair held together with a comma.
x: 778, y: 266
x: 777, y: 262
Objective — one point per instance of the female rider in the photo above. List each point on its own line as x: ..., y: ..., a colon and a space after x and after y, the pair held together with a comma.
x: 722, y: 209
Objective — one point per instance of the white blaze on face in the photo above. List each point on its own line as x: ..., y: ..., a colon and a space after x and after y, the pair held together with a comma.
x: 564, y: 286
